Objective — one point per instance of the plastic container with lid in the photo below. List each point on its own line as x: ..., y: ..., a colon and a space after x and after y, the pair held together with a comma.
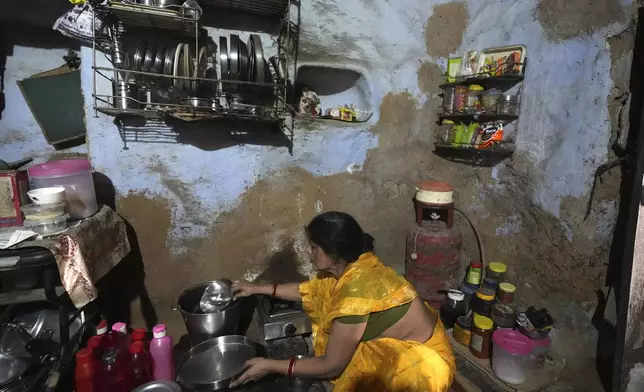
x: 505, y: 293
x: 139, y: 369
x: 474, y: 273
x: 48, y: 226
x: 75, y: 175
x: 512, y: 359
x: 112, y: 376
x: 452, y: 307
x: 483, y: 301
x: 509, y: 105
x: 490, y: 283
x: 463, y: 330
x: 481, y: 336
x: 161, y: 353
x: 474, y: 104
x: 85, y: 371
x: 40, y: 212
x: 504, y: 316
x: 445, y: 132
x: 496, y: 271
x: 490, y: 99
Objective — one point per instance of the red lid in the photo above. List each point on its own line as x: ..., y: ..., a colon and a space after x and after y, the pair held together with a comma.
x: 476, y: 264
x: 136, y: 347
x: 84, y: 355
x: 138, y: 334
x: 101, y: 328
x: 94, y: 342
x: 64, y: 167
x: 435, y: 186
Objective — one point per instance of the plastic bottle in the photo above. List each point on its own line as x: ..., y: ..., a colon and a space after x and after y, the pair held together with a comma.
x: 96, y: 345
x: 125, y: 337
x: 139, y: 335
x: 112, y: 377
x: 161, y: 353
x: 85, y: 371
x: 139, y: 371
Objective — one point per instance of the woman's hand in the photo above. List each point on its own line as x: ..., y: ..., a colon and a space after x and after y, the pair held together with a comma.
x: 255, y: 369
x: 242, y: 288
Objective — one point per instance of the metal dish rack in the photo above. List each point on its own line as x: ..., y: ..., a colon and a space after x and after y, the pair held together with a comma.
x: 122, y: 18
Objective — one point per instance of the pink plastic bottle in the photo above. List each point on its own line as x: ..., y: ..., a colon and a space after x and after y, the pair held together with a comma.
x: 161, y: 353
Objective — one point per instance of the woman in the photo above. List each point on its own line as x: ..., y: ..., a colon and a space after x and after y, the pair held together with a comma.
x: 371, y: 331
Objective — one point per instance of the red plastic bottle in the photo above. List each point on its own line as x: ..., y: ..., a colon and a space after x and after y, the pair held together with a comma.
x: 112, y: 377
x: 139, y: 368
x: 139, y: 335
x: 95, y: 344
x: 85, y: 371
x: 101, y: 328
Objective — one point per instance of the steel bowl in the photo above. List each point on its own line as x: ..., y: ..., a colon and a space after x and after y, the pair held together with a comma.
x: 213, y: 364
x: 159, y: 386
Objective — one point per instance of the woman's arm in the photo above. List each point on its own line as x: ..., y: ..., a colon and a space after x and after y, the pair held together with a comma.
x: 286, y: 291
x: 343, y: 341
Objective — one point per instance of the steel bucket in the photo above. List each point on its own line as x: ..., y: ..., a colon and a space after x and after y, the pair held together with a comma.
x: 204, y: 326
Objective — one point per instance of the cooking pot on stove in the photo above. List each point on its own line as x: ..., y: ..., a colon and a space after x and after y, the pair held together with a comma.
x: 203, y: 326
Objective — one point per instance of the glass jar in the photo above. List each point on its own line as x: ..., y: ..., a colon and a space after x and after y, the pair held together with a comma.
x: 483, y: 301
x: 506, y: 292
x: 460, y: 99
x: 474, y: 273
x: 448, y: 100
x: 490, y: 99
x: 463, y: 330
x: 474, y: 104
x: 509, y: 105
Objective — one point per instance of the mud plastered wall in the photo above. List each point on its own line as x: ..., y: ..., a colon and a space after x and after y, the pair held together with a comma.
x: 239, y: 211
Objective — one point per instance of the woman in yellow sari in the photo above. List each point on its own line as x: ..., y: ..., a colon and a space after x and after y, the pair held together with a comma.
x: 371, y: 330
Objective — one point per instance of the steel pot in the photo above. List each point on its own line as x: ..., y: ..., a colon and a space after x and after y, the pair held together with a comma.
x: 203, y: 326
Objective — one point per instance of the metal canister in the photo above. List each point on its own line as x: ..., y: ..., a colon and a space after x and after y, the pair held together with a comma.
x: 460, y: 99
x: 448, y: 100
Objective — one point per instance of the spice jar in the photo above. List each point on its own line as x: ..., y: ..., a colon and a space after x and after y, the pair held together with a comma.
x: 474, y: 104
x: 463, y: 330
x: 445, y: 131
x: 481, y: 337
x: 490, y: 99
x: 482, y: 302
x: 504, y: 316
x: 473, y: 276
x: 509, y: 105
x: 496, y: 271
x: 460, y: 99
x: 506, y: 292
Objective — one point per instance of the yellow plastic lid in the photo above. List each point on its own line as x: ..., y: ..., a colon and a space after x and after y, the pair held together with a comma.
x: 485, y: 294
x: 447, y: 122
x: 475, y: 87
x: 497, y: 267
x: 507, y: 287
x: 482, y: 322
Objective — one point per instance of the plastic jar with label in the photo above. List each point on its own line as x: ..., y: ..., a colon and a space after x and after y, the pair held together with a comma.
x: 474, y: 102
x: 481, y: 336
x: 460, y: 99
x: 474, y: 273
x: 463, y: 330
x: 506, y: 292
x: 445, y: 132
x: 496, y: 271
x: 483, y: 301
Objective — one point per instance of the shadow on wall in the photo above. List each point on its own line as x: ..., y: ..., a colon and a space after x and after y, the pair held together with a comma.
x: 282, y: 267
x: 125, y: 282
x: 207, y: 136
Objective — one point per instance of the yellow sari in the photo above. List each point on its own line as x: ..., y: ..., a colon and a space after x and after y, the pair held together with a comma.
x: 382, y: 364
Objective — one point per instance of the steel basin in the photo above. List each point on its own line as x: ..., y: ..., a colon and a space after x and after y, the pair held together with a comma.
x: 213, y: 364
x: 203, y: 326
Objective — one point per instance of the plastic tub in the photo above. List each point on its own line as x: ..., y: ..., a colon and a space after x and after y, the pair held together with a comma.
x: 512, y: 359
x: 75, y: 175
x: 47, y: 227
x: 35, y: 212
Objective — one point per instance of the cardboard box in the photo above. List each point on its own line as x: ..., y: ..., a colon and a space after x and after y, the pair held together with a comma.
x: 14, y: 185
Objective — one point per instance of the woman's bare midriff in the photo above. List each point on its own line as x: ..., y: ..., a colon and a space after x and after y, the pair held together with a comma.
x: 417, y: 324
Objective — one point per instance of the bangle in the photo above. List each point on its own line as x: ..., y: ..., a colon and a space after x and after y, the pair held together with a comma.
x: 274, y: 289
x: 291, y: 367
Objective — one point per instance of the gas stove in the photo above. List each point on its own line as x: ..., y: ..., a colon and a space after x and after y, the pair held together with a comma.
x: 281, y: 319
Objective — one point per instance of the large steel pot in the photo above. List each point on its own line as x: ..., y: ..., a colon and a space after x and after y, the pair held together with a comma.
x: 203, y: 326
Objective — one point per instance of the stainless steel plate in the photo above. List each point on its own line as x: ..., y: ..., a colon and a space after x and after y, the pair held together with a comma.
x: 159, y: 386
x: 259, y: 58
x: 243, y: 61
x: 234, y: 59
x: 215, y: 363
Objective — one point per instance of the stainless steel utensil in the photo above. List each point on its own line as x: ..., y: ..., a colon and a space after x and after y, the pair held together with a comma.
x: 259, y: 58
x: 243, y: 61
x: 196, y: 102
x: 139, y: 56
x: 279, y: 64
x: 216, y: 296
x: 214, y: 363
x: 224, y: 64
x: 204, y: 326
x: 159, y: 386
x: 168, y: 3
x: 11, y: 368
x: 44, y: 323
x: 234, y: 59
